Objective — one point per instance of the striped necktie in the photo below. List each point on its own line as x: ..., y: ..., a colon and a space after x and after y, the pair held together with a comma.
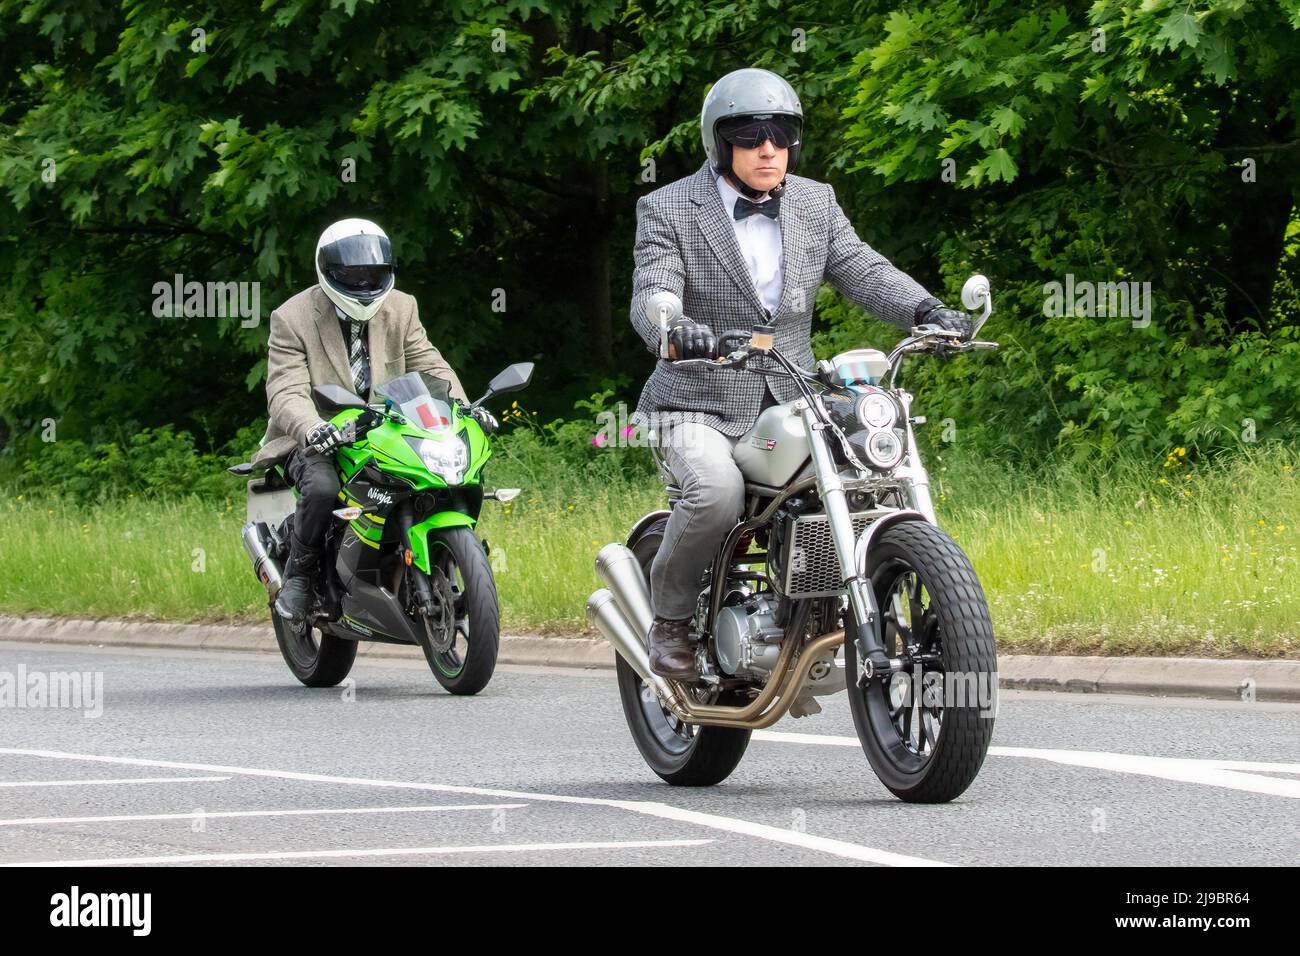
x: 357, y: 359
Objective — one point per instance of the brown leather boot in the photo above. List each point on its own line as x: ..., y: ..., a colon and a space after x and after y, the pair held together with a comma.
x: 672, y: 654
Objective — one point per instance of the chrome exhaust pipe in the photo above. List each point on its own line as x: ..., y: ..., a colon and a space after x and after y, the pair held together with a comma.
x: 604, y: 614
x: 264, y: 566
x: 618, y: 567
x: 621, y: 613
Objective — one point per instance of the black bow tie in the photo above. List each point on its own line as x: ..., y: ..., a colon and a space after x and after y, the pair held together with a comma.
x: 745, y: 208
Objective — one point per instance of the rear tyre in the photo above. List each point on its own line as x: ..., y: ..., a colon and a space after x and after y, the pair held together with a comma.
x: 316, y: 659
x: 681, y: 754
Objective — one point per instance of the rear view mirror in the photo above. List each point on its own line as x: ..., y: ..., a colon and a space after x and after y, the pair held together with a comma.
x: 335, y: 398
x: 511, y: 379
x: 663, y: 309
x: 975, y: 294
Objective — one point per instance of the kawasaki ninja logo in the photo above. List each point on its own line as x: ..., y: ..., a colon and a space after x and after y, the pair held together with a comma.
x: 383, y: 497
x: 357, y: 626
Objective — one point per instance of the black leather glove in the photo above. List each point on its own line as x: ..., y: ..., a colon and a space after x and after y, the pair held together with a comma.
x: 688, y: 340
x: 933, y: 312
x: 324, y: 438
x: 487, y: 421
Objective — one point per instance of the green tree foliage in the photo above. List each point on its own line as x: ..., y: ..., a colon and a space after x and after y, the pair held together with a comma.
x: 503, y: 145
x: 1152, y: 142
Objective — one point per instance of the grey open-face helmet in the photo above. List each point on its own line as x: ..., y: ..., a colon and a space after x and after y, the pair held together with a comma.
x: 747, y: 95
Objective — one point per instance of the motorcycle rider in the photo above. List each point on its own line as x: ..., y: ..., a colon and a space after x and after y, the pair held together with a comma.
x: 353, y: 329
x: 740, y: 242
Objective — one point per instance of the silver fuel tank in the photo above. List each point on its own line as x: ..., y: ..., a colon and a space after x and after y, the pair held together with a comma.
x: 773, y: 451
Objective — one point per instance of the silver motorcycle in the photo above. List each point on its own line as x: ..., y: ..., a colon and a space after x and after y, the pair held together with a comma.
x: 836, y: 577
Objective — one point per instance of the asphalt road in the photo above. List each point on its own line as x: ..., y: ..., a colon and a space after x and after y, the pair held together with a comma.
x: 222, y: 757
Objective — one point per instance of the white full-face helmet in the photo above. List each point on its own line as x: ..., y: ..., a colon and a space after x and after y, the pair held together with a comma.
x: 354, y: 265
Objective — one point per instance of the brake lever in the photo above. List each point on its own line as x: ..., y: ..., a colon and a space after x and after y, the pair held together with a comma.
x: 732, y: 360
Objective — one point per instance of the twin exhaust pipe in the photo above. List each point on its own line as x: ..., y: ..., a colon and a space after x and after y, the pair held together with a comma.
x: 621, y: 612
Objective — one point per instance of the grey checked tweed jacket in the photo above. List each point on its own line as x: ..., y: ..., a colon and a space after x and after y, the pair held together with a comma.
x: 686, y: 244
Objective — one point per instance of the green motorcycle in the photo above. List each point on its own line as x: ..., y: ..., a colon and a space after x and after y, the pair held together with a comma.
x: 402, y: 563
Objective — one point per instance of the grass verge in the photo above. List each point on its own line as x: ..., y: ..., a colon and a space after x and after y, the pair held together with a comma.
x: 1119, y: 558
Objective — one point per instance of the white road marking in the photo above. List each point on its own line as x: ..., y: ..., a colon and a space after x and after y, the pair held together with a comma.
x: 1213, y: 773
x: 103, y: 782
x: 840, y: 848
x: 1229, y: 774
x: 226, y: 814
x: 346, y: 854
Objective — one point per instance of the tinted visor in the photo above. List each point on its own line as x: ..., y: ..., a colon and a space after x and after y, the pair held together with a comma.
x: 750, y: 132
x: 358, y: 265
x: 360, y: 279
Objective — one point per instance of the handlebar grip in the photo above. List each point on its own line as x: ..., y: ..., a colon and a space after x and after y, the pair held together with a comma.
x: 731, y: 340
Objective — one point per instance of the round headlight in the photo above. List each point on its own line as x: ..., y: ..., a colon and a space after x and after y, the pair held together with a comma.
x: 884, y: 449
x: 876, y: 410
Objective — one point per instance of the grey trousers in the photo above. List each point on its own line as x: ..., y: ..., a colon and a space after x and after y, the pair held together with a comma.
x: 713, y: 498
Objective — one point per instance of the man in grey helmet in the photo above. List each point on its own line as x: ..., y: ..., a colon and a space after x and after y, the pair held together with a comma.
x: 740, y: 242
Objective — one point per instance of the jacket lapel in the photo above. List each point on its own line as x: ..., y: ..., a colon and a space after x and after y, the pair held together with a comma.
x: 793, y: 255
x: 331, y: 340
x: 720, y: 233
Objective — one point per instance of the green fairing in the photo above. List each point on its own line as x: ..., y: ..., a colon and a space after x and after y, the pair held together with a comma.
x: 387, y: 447
x: 420, y: 534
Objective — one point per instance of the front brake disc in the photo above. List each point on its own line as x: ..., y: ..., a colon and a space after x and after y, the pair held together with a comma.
x: 440, y: 625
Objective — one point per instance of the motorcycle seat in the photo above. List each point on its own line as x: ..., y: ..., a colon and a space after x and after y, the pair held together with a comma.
x: 272, y: 453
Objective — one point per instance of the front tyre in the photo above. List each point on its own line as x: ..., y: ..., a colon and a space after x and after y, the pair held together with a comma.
x: 926, y: 729
x: 460, y: 565
x: 681, y: 754
x: 316, y: 659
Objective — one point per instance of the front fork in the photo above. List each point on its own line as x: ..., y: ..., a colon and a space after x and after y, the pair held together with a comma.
x: 861, y: 598
x: 417, y: 581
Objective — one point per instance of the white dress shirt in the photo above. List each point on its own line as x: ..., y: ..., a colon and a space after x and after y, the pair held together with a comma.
x: 760, y: 246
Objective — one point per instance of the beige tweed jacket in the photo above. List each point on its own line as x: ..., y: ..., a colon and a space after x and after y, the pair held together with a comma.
x: 306, y: 349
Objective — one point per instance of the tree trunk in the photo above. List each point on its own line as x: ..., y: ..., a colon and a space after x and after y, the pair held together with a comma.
x: 1257, y: 231
x: 595, y: 278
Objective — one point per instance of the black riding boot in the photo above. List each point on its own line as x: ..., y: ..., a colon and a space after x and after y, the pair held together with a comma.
x: 294, y: 599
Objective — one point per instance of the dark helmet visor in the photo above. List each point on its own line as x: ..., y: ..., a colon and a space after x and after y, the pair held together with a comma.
x: 750, y: 132
x: 359, y: 266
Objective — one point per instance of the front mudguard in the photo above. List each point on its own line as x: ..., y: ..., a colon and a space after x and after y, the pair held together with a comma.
x: 419, y: 534
x: 870, y: 636
x: 863, y: 559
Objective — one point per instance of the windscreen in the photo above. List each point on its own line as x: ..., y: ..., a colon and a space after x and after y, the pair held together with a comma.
x: 421, y: 398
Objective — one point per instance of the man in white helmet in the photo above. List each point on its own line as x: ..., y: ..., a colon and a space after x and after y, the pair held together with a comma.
x: 740, y: 242
x: 353, y: 329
